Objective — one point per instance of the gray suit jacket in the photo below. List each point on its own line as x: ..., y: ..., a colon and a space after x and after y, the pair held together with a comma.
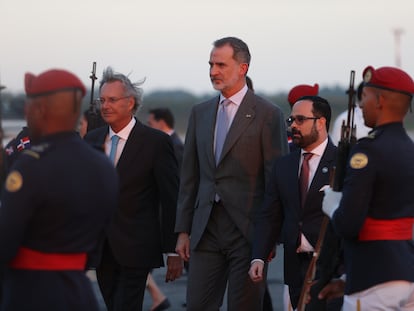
x: 256, y: 137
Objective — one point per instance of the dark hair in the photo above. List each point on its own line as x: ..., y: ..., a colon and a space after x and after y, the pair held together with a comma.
x: 163, y: 114
x: 320, y: 108
x: 240, y: 49
x: 249, y: 83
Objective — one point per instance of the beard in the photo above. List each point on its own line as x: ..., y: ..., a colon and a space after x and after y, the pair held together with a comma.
x: 303, y: 141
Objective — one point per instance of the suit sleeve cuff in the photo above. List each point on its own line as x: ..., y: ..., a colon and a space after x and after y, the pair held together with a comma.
x: 257, y: 260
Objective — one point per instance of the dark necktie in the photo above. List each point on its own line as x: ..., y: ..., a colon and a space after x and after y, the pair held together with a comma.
x: 114, y: 146
x: 304, y: 177
x: 223, y: 122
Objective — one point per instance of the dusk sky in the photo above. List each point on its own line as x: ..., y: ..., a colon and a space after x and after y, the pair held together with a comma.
x: 169, y: 42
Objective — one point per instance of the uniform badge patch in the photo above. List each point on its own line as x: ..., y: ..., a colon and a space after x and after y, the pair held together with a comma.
x: 14, y: 181
x: 358, y: 161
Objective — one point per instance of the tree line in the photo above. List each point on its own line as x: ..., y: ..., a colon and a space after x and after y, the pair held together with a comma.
x: 180, y: 103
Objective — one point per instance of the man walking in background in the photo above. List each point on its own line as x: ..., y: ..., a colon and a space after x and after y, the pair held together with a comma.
x: 162, y: 119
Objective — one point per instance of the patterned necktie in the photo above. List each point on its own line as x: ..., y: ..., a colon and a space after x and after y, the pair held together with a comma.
x: 304, y: 177
x: 114, y: 145
x: 222, y: 127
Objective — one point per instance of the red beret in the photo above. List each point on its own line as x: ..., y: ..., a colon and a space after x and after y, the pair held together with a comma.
x: 52, y: 81
x: 389, y: 78
x: 302, y: 90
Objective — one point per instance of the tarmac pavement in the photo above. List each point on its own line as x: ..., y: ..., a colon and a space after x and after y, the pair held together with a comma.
x: 175, y: 291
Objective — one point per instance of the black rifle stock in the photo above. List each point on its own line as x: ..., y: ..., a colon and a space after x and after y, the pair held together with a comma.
x: 348, y: 139
x: 328, y: 244
x: 93, y: 117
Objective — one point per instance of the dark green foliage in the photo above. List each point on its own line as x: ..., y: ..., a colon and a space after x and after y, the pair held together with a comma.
x: 180, y: 102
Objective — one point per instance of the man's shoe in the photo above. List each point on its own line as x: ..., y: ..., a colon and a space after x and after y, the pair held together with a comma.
x: 165, y: 304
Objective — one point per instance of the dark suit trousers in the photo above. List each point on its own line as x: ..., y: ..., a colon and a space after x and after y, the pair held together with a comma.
x: 315, y: 304
x: 223, y: 255
x: 122, y: 287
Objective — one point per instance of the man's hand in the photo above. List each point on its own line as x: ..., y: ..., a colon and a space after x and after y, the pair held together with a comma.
x: 174, y: 268
x: 183, y: 246
x: 331, y: 201
x: 256, y: 271
x: 334, y: 289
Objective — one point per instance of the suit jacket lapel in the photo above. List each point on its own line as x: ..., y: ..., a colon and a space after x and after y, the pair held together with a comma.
x: 244, y: 116
x: 293, y: 179
x: 324, y: 168
x: 209, y: 119
x: 133, y: 144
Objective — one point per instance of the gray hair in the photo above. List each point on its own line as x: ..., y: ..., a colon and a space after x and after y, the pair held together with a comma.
x: 131, y: 89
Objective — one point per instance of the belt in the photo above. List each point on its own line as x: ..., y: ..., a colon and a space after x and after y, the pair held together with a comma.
x: 387, y: 229
x: 29, y: 259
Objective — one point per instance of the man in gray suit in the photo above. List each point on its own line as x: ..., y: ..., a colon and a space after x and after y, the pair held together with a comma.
x: 222, y: 185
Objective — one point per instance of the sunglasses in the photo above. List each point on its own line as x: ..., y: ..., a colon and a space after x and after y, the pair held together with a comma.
x: 299, y: 119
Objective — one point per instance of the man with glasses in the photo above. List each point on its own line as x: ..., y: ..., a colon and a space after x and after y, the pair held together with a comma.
x: 142, y: 227
x: 293, y: 198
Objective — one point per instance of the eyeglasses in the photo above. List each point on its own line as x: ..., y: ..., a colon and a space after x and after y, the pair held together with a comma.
x: 110, y: 100
x: 299, y: 119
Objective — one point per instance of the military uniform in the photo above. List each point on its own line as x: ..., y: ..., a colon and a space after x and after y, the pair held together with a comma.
x: 384, y: 183
x: 49, y: 209
x: 56, y: 203
x: 375, y: 213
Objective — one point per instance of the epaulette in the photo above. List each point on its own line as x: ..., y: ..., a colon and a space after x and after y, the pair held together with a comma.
x: 371, y: 135
x: 36, y: 150
x: 32, y: 153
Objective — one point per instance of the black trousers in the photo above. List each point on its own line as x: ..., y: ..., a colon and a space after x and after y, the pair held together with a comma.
x: 315, y: 303
x: 122, y: 287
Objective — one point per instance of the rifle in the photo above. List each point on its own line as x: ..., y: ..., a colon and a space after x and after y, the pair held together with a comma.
x: 348, y: 139
x: 327, y: 241
x: 93, y: 114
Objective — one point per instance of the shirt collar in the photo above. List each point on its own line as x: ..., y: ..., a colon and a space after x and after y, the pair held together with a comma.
x: 238, y: 97
x: 124, y: 133
x: 319, y: 150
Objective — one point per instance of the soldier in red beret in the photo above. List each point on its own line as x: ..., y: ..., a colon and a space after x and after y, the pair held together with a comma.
x: 56, y: 203
x: 374, y: 214
x: 302, y: 90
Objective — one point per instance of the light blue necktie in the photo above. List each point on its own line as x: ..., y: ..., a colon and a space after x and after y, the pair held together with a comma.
x: 114, y: 145
x: 223, y: 123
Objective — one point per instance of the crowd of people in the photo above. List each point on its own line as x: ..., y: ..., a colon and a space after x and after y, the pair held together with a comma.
x: 119, y: 197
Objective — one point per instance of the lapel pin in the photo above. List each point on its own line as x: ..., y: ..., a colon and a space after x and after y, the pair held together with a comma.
x: 325, y: 170
x: 248, y: 115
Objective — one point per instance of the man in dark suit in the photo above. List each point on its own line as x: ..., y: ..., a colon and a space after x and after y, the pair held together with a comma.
x: 162, y: 119
x: 298, y: 216
x: 221, y: 191
x: 140, y: 231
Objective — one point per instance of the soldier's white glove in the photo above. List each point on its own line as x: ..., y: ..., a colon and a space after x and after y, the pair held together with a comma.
x: 331, y: 201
